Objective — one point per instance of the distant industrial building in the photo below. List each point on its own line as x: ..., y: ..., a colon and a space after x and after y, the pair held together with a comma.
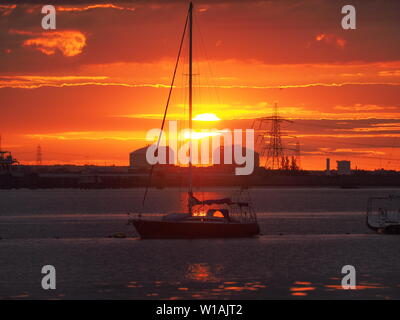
x: 328, y: 166
x: 138, y: 160
x: 343, y: 167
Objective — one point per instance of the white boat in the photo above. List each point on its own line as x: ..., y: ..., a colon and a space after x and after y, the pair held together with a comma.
x: 383, y: 214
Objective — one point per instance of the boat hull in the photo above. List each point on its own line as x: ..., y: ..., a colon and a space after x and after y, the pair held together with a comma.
x: 149, y: 229
x: 390, y: 229
x: 393, y: 228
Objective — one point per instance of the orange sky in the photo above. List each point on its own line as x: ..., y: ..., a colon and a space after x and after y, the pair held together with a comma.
x: 88, y: 91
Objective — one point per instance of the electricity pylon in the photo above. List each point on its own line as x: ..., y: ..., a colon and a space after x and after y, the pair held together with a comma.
x: 273, y: 149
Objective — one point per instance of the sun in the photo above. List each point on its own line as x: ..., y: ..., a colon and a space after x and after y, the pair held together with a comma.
x: 199, y: 135
x: 206, y: 117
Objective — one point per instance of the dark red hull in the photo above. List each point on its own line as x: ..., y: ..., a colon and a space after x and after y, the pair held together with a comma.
x: 149, y: 229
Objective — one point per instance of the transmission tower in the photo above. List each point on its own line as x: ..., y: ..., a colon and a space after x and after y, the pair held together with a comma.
x: 272, y: 149
x: 39, y: 155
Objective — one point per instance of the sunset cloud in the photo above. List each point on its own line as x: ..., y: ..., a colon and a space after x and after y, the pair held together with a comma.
x: 91, y: 135
x: 389, y: 73
x: 6, y: 10
x: 368, y: 107
x: 69, y: 42
x: 94, y: 6
x: 349, y: 152
x: 33, y: 81
x: 99, y: 81
x: 331, y: 39
x: 374, y: 129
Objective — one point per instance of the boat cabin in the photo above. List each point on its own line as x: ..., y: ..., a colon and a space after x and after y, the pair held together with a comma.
x: 209, y: 215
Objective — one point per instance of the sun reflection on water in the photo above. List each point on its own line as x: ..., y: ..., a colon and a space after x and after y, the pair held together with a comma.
x: 301, y: 288
x: 201, y: 272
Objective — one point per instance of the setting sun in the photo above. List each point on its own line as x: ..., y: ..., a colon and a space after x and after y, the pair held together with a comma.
x: 199, y: 135
x: 206, y: 117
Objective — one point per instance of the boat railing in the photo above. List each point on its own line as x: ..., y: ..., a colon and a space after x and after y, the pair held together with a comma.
x: 240, y: 213
x: 243, y: 213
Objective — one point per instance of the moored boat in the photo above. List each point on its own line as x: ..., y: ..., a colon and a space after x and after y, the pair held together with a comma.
x: 383, y: 214
x: 213, y: 218
x: 212, y: 223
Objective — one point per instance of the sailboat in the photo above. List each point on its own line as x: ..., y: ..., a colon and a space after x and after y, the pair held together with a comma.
x: 211, y: 218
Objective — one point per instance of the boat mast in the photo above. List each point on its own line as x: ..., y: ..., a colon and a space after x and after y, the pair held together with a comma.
x: 166, y: 108
x: 190, y: 104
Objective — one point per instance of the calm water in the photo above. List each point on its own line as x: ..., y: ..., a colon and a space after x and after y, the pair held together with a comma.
x: 73, y: 201
x: 307, y: 236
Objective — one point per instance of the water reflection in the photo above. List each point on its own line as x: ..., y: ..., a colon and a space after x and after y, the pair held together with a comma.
x: 20, y: 296
x: 301, y: 288
x: 202, y: 272
x: 360, y: 286
x: 211, y: 281
x: 152, y: 294
x: 134, y: 284
x: 299, y: 294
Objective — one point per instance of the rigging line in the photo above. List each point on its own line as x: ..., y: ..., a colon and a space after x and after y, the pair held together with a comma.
x: 190, y: 103
x: 166, y: 107
x: 212, y: 77
x: 197, y: 82
x: 206, y: 98
x: 182, y: 123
